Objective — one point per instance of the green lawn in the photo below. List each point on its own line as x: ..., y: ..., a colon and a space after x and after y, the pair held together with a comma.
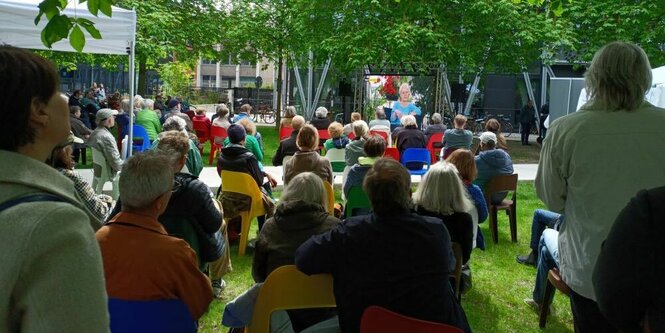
x: 499, y: 283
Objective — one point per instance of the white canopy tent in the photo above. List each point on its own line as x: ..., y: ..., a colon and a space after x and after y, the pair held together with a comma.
x: 655, y: 95
x: 118, y: 33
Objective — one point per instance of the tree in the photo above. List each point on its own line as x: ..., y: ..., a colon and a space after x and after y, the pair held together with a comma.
x: 61, y: 26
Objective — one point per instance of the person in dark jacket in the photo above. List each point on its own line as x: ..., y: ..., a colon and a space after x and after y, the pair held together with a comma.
x: 436, y: 126
x: 320, y: 121
x: 409, y: 136
x: 628, y: 274
x: 527, y: 118
x: 288, y: 147
x: 491, y: 162
x: 392, y: 258
x: 441, y: 194
x: 300, y: 214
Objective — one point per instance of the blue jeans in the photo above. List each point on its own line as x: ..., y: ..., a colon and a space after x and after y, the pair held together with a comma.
x: 548, y: 258
x: 542, y: 219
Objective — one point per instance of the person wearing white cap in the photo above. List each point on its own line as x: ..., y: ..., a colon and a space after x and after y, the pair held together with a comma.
x: 102, y: 139
x: 491, y: 162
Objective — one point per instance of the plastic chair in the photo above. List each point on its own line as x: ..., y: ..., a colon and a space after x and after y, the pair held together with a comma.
x: 330, y: 192
x: 382, y: 134
x: 240, y: 182
x: 165, y: 316
x: 502, y: 183
x: 217, y: 136
x: 434, y: 145
x: 101, y: 174
x: 123, y: 147
x: 376, y: 319
x: 351, y: 136
x: 554, y: 282
x: 417, y: 155
x: 285, y: 132
x: 202, y: 132
x: 323, y: 136
x: 357, y: 199
x: 336, y: 157
x: 288, y: 288
x: 392, y: 152
x: 140, y: 132
x: 457, y: 272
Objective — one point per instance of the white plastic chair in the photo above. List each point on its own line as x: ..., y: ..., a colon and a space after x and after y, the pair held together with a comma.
x: 123, y: 151
x: 101, y: 174
x: 336, y: 158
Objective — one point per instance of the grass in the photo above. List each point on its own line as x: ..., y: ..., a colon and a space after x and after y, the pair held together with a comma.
x: 523, y: 154
x: 499, y: 282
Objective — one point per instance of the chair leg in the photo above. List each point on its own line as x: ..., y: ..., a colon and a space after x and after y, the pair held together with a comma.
x: 244, y: 233
x: 547, y: 301
x: 493, y: 227
x: 513, y: 223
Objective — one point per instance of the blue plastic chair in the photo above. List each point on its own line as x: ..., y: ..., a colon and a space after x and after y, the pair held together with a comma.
x: 417, y: 155
x: 164, y: 316
x: 140, y: 132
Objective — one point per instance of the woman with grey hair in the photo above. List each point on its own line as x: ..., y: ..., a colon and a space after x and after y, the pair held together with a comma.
x: 300, y: 214
x: 594, y: 160
x: 320, y: 121
x: 436, y: 126
x: 409, y: 136
x: 149, y: 119
x: 441, y: 194
x: 194, y: 164
x: 221, y: 117
x: 379, y: 120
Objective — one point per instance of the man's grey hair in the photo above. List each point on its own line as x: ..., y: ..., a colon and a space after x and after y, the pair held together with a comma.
x: 380, y: 113
x: 174, y: 123
x: 408, y: 120
x: 143, y: 179
x: 124, y: 105
x: 148, y: 104
x: 290, y: 111
x: 388, y: 186
x: 619, y: 77
x: 441, y: 190
x: 307, y: 187
x: 360, y: 129
x: 436, y: 118
x: 321, y: 112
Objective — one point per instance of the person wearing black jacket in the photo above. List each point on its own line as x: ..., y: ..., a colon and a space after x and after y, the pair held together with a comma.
x: 288, y: 147
x: 527, y: 118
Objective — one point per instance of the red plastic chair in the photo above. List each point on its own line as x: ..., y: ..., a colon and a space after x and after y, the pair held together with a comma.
x: 217, y: 136
x: 351, y: 136
x: 392, y: 152
x: 376, y: 319
x: 382, y: 134
x: 323, y: 136
x: 202, y: 132
x: 285, y: 132
x: 434, y: 145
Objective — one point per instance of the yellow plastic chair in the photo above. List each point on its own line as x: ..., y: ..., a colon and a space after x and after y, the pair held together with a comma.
x: 287, y: 288
x: 239, y: 182
x: 331, y: 197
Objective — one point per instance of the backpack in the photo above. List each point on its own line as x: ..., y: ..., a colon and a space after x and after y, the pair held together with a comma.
x: 29, y: 198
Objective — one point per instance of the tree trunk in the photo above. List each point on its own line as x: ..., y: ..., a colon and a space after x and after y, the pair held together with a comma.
x: 278, y: 112
x: 142, y: 84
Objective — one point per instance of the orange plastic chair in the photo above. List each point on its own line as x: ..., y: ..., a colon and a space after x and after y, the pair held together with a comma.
x: 285, y: 132
x: 288, y: 288
x: 240, y: 182
x: 392, y: 152
x: 202, y: 132
x: 217, y: 136
x: 330, y: 192
x: 376, y: 319
x: 434, y: 145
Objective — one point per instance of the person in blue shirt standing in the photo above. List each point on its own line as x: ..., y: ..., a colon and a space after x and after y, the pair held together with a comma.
x: 403, y: 106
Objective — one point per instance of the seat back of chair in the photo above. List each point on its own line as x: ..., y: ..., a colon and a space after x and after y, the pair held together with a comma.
x: 285, y: 132
x: 376, y: 319
x: 336, y: 157
x: 202, y: 130
x: 288, y: 288
x: 382, y: 134
x: 501, y: 183
x: 330, y: 193
x: 140, y: 133
x: 243, y: 183
x: 217, y: 136
x: 164, y: 316
x: 357, y: 199
x: 323, y: 136
x: 392, y: 152
x: 123, y: 147
x: 416, y: 155
x: 434, y: 145
x: 100, y: 171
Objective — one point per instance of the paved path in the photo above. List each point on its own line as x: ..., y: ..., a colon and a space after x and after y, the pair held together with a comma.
x: 211, y: 178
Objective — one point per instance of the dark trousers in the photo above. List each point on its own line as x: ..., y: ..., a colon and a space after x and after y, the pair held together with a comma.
x: 526, y: 129
x: 587, y: 316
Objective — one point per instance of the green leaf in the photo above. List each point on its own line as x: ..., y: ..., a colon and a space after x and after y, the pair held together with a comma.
x: 93, y: 6
x: 105, y: 7
x: 90, y: 28
x: 56, y: 29
x: 76, y: 38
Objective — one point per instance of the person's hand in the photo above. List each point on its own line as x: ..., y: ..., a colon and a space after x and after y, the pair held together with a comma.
x: 271, y: 179
x: 398, y: 114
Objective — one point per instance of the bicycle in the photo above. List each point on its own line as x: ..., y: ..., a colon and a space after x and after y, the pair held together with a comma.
x: 265, y: 113
x: 506, y: 125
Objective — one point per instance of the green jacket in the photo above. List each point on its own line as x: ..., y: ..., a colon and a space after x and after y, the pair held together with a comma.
x: 149, y: 120
x: 252, y: 144
x: 51, y: 263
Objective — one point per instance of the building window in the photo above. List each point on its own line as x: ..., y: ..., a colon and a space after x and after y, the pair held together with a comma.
x: 208, y: 81
x: 208, y: 62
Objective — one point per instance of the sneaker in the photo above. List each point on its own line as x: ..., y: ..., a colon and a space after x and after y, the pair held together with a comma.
x: 218, y: 287
x: 530, y: 259
x: 535, y: 306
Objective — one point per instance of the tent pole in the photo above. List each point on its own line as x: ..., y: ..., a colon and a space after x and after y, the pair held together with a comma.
x: 130, y: 139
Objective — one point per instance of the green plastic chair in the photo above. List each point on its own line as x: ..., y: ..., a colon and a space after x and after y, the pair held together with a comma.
x: 357, y: 199
x: 184, y: 230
